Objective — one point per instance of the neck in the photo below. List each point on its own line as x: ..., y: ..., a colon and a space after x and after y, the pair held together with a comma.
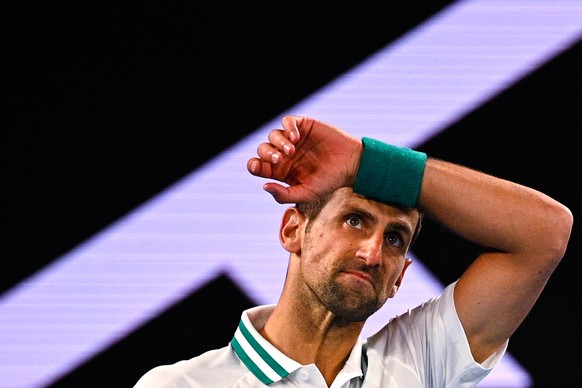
x: 312, y: 336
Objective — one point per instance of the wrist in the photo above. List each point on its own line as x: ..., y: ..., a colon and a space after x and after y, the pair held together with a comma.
x: 354, y: 165
x: 389, y: 173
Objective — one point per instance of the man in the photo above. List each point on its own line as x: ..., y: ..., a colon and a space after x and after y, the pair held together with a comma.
x: 359, y: 208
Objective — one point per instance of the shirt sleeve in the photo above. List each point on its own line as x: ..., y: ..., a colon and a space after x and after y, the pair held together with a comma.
x: 427, y: 347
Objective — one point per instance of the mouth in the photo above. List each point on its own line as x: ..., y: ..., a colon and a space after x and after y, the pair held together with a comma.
x: 360, y: 276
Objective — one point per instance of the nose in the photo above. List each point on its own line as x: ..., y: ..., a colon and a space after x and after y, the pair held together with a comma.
x: 370, y: 249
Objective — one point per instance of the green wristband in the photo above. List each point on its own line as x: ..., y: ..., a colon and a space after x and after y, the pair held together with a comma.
x: 389, y: 173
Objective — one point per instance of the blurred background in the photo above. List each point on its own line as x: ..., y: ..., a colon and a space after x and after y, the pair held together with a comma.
x: 135, y: 237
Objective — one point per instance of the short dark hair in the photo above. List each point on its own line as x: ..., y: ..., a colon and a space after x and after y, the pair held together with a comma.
x: 313, y: 208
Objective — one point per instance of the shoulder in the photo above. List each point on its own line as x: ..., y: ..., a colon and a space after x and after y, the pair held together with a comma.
x: 430, y: 327
x: 436, y: 314
x: 426, y: 346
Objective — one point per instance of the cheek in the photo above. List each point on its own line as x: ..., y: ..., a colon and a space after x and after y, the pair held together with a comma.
x: 325, y: 242
x: 320, y: 257
x: 393, y: 268
x: 393, y: 278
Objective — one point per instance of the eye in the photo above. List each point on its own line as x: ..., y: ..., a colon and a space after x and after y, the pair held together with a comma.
x: 354, y: 221
x: 394, y: 239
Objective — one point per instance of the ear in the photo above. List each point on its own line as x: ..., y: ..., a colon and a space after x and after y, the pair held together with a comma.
x: 398, y: 282
x: 290, y: 230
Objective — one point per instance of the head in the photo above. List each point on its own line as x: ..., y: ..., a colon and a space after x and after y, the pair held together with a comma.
x: 348, y: 253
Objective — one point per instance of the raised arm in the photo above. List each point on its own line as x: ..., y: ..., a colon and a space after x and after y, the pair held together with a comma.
x: 525, y: 233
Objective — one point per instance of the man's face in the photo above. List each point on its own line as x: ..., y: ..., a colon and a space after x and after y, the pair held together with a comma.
x: 353, y: 255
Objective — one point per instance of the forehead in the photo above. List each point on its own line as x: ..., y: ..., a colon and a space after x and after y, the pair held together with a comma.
x: 344, y: 199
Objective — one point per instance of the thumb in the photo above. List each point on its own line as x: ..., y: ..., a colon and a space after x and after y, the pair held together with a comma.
x: 277, y: 191
x: 280, y: 193
x: 289, y: 194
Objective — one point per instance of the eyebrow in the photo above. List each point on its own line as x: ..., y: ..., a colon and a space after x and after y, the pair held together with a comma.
x: 401, y: 227
x: 397, y: 225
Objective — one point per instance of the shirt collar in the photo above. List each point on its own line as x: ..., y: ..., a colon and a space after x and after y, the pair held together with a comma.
x: 265, y: 361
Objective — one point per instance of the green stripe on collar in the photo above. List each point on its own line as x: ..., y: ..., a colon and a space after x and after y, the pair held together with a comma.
x: 249, y: 363
x: 263, y: 354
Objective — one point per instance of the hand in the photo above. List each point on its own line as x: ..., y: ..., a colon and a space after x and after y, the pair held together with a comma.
x: 312, y: 157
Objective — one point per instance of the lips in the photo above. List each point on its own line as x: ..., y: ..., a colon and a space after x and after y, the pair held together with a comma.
x: 361, y: 275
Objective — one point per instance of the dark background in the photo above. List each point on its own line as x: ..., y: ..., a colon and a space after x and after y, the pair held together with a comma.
x: 105, y: 106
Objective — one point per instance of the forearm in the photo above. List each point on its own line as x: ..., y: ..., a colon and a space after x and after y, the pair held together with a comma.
x: 484, y: 209
x: 493, y: 212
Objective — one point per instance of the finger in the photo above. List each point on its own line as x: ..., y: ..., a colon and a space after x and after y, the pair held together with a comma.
x: 279, y: 192
x: 289, y: 194
x: 259, y: 168
x: 291, y: 125
x: 268, y: 153
x: 279, y: 139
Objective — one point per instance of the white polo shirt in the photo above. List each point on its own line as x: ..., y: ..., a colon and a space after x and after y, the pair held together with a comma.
x: 424, y: 347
